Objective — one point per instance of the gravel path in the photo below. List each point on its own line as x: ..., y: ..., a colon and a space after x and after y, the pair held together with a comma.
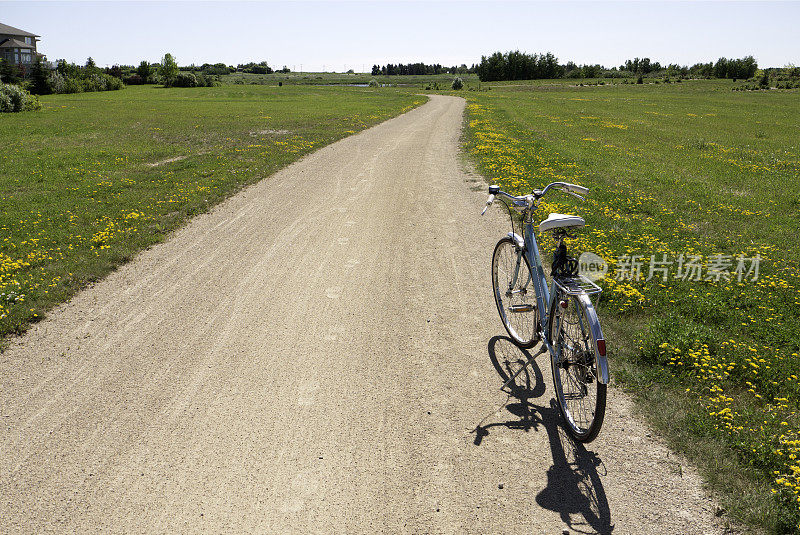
x: 312, y: 357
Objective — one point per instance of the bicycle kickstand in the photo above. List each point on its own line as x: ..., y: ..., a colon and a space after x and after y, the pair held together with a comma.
x: 511, y: 379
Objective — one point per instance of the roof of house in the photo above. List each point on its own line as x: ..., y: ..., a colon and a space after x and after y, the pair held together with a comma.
x: 10, y: 30
x: 14, y: 43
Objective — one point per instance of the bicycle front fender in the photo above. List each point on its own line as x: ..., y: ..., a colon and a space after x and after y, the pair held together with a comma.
x: 518, y: 241
x: 597, y: 334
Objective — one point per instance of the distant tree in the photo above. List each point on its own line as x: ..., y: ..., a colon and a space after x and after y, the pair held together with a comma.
x: 39, y: 74
x: 745, y: 67
x: 90, y: 67
x: 705, y: 70
x: 8, y: 74
x: 220, y: 69
x: 67, y: 70
x: 115, y: 71
x: 721, y: 68
x: 763, y: 82
x: 376, y: 70
x: 144, y: 70
x: 168, y: 68
x: 492, y: 68
x: 591, y: 71
x: 516, y: 65
x: 254, y: 68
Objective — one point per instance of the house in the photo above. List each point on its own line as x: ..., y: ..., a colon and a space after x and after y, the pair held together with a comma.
x: 17, y: 47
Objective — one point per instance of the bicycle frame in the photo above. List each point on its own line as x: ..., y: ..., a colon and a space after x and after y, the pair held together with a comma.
x: 545, y: 297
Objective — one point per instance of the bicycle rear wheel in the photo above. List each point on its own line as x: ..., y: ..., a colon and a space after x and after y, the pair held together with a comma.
x: 581, y: 397
x: 514, y: 294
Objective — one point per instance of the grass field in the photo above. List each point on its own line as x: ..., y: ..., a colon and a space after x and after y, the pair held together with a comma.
x: 95, y: 177
x: 697, y: 170
x: 332, y: 78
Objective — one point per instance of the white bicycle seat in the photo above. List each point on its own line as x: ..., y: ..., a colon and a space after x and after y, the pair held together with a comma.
x: 560, y: 220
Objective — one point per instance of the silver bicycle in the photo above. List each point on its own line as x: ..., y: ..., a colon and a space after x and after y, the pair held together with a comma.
x: 560, y: 315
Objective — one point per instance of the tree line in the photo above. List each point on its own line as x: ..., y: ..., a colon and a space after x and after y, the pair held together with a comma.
x: 419, y: 69
x: 516, y: 65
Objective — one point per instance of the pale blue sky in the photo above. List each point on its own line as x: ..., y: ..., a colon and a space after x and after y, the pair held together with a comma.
x: 342, y: 35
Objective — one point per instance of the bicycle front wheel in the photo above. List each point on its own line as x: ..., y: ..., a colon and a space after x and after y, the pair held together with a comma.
x: 514, y: 294
x: 581, y: 396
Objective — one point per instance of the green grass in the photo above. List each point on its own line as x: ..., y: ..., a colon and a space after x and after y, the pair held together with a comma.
x: 693, y: 169
x: 328, y: 78
x: 93, y: 178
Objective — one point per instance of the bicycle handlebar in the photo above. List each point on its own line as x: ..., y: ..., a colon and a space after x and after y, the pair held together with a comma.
x: 573, y: 189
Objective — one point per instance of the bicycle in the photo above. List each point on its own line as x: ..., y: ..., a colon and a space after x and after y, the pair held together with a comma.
x: 563, y: 316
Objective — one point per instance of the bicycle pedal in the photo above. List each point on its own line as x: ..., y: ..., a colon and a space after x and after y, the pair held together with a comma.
x: 518, y: 309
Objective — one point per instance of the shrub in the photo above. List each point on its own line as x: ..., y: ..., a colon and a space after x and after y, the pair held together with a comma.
x: 101, y: 82
x: 183, y: 79
x: 134, y: 79
x: 206, y: 81
x: 94, y: 82
x: 458, y: 83
x: 640, y: 80
x: 13, y: 98
x: 57, y: 82
x: 373, y: 83
x: 72, y: 85
x: 113, y: 83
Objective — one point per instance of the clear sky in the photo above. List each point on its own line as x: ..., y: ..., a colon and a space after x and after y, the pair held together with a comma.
x: 341, y: 35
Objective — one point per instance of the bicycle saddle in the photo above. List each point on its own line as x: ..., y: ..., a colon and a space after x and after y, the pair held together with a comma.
x: 561, y: 220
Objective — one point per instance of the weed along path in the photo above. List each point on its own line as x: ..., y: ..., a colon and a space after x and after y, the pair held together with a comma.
x: 312, y: 357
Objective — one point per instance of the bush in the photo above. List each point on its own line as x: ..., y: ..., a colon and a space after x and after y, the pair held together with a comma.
x: 458, y: 83
x: 94, y: 82
x: 72, y: 85
x: 183, y: 79
x: 57, y: 82
x: 134, y: 79
x: 13, y: 98
x: 113, y: 83
x: 640, y: 80
x: 373, y: 83
x: 206, y: 81
x: 101, y: 82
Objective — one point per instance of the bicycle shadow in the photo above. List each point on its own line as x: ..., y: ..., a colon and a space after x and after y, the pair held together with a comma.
x: 574, y: 489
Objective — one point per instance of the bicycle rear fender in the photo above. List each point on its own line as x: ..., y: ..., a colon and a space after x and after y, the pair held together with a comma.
x: 597, y: 335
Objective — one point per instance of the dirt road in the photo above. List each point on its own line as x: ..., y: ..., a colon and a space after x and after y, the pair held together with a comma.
x: 313, y: 357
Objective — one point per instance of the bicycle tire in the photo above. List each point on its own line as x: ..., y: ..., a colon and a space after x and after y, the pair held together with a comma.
x: 517, y: 305
x: 581, y: 396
